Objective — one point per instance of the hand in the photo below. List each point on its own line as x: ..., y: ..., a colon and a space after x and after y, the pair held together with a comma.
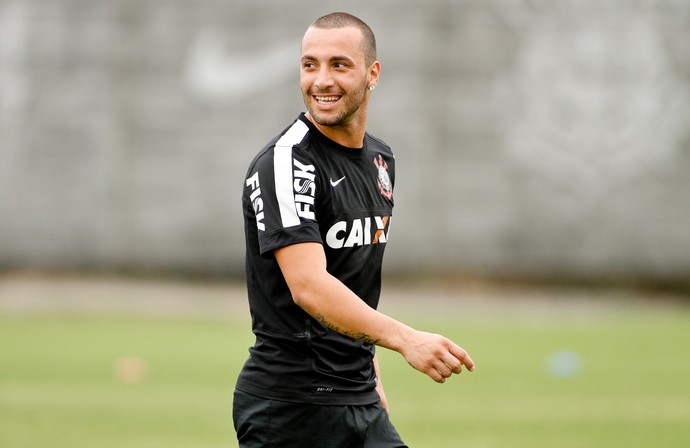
x: 384, y: 400
x: 379, y: 385
x: 436, y: 356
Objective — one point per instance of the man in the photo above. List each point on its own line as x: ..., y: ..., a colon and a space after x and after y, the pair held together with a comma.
x: 317, y: 207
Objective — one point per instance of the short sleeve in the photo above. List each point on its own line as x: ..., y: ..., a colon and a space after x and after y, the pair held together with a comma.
x: 281, y: 189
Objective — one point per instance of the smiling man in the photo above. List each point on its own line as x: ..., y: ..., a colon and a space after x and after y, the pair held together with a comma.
x: 317, y: 202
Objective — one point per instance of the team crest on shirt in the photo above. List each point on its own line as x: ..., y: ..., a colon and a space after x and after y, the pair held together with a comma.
x: 384, y: 180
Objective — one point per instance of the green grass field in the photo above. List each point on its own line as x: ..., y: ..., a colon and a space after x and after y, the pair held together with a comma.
x: 623, y: 381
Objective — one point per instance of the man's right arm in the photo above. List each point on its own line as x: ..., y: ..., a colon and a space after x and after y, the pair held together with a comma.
x: 330, y: 302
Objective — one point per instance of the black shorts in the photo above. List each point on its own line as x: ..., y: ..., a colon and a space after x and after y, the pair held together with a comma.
x: 264, y: 423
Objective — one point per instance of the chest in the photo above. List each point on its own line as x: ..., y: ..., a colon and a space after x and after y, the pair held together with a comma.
x: 357, y: 186
x: 354, y: 202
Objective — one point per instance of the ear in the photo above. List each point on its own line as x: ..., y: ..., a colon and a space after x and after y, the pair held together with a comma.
x: 374, y: 71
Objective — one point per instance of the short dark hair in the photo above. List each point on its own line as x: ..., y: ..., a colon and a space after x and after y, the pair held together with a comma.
x: 343, y: 20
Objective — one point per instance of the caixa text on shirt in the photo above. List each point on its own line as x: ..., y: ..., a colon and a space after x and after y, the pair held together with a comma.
x: 358, y: 232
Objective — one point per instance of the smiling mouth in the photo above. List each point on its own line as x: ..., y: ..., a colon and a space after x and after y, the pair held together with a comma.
x: 326, y: 100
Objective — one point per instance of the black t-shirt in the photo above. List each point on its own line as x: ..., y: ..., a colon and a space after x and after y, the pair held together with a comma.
x: 304, y: 187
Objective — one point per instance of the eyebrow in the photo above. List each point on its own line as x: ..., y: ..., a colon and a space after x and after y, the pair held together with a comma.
x: 307, y: 57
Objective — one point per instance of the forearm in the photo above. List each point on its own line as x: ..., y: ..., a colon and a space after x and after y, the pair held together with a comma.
x: 329, y: 301
x: 334, y: 305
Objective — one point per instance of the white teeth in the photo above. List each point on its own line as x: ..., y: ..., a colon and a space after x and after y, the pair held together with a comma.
x: 326, y: 99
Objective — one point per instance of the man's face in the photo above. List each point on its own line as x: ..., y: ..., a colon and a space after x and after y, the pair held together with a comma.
x: 334, y: 77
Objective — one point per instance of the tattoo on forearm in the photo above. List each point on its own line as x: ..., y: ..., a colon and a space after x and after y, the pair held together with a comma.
x: 360, y: 336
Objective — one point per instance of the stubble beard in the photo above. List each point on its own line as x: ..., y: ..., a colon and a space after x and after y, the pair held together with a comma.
x: 352, y: 103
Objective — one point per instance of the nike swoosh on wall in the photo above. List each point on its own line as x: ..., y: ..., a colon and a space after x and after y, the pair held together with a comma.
x: 214, y: 72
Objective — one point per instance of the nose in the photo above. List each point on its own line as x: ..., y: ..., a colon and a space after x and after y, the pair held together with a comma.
x: 323, y: 80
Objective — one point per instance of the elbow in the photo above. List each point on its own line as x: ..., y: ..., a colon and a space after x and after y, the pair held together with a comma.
x: 298, y: 296
x: 304, y: 294
x: 303, y: 299
x: 303, y: 267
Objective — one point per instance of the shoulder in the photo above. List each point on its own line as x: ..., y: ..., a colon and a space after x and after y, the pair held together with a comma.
x: 377, y: 144
x: 296, y: 135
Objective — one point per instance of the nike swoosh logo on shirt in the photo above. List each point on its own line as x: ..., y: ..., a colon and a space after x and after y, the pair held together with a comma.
x: 336, y: 182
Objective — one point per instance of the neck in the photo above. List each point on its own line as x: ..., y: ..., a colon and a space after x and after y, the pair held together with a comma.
x: 350, y: 135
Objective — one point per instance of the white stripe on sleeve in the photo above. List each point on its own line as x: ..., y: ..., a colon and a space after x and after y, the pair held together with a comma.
x: 282, y: 167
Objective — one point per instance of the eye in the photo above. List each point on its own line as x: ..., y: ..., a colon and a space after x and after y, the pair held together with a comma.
x: 308, y: 65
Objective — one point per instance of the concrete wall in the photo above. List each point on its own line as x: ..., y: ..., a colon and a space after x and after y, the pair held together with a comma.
x: 545, y: 138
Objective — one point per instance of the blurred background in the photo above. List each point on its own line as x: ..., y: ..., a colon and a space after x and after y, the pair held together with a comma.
x: 537, y: 139
x: 542, y: 213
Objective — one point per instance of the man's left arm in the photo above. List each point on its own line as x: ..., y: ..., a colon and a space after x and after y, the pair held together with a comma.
x: 379, y: 385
